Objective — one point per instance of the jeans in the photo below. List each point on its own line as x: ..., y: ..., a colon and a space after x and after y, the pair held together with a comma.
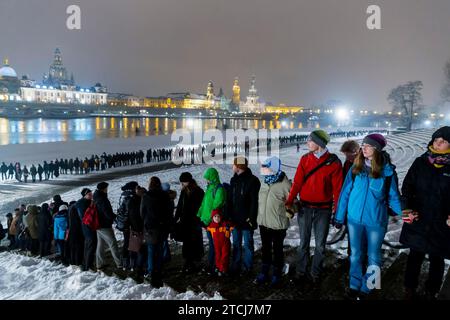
x: 307, y: 219
x: 60, y: 245
x: 243, y: 252
x: 374, y: 237
x: 435, y: 273
x: 154, y: 258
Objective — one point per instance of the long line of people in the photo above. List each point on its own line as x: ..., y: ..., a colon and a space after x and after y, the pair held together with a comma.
x: 194, y: 154
x: 361, y: 194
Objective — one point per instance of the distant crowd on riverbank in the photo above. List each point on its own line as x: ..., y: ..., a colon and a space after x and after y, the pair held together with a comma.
x: 50, y: 170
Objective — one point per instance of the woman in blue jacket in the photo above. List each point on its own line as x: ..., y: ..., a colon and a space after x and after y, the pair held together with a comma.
x: 370, y: 189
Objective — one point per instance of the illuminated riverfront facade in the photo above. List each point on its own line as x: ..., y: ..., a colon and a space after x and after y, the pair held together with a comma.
x: 56, y: 88
x: 44, y: 94
x: 281, y: 108
x: 187, y: 100
x: 9, y: 83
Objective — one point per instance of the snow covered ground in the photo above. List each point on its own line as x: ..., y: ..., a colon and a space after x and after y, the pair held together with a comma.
x: 38, y: 279
x: 404, y: 148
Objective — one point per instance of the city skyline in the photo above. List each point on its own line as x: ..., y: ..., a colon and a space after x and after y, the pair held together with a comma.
x: 302, y: 52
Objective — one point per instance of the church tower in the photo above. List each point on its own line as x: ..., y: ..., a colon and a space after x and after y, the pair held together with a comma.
x: 252, y: 98
x: 236, y: 92
x: 210, y: 91
x: 57, y: 75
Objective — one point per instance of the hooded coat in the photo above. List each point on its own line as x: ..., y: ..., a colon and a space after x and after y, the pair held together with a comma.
x: 215, y: 196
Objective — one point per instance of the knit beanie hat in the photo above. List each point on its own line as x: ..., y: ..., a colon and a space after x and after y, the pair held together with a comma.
x: 320, y: 137
x: 376, y: 140
x: 185, y: 177
x: 85, y: 191
x: 443, y: 133
x: 165, y: 186
x: 273, y: 163
x: 216, y: 211
x: 102, y: 185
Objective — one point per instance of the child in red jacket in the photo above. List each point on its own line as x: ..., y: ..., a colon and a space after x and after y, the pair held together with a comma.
x: 221, y: 232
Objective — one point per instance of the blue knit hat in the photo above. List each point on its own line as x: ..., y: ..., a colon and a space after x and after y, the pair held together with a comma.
x: 273, y: 163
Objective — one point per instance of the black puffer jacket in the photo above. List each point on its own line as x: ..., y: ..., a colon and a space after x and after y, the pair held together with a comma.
x: 106, y: 215
x: 155, y: 211
x: 426, y: 189
x: 242, y: 204
x: 122, y: 219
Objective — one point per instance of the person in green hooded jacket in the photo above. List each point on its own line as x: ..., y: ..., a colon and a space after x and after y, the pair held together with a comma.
x: 215, y: 197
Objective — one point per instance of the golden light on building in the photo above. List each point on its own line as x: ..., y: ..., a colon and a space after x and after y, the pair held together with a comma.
x: 283, y: 109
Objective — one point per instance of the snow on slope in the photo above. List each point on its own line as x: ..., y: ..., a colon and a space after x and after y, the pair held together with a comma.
x: 31, y: 278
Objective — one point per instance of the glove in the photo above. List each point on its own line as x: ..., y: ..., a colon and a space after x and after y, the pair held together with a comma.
x: 338, y: 225
x: 409, y: 216
x: 290, y: 213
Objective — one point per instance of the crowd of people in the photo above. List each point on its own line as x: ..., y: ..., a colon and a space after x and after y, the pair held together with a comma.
x: 361, y: 194
x: 191, y: 154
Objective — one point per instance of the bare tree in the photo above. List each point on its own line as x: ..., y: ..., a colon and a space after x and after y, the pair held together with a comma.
x: 407, y: 99
x: 445, y: 92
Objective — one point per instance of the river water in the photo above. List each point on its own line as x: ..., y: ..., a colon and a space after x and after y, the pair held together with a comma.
x: 52, y: 130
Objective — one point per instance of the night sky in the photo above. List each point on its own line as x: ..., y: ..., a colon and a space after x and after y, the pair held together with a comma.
x: 302, y: 52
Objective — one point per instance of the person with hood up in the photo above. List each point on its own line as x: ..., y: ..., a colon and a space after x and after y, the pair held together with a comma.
x: 220, y: 230
x: 215, y: 198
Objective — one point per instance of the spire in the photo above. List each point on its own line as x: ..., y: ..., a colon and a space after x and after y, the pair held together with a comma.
x: 6, y: 62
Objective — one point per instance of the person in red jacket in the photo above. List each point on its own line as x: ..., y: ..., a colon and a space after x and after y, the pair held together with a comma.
x: 319, y: 194
x: 221, y: 232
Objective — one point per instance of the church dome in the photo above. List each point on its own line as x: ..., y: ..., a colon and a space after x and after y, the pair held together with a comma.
x: 7, y: 71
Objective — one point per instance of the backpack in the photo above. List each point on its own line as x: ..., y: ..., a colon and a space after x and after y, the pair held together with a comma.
x: 90, y: 217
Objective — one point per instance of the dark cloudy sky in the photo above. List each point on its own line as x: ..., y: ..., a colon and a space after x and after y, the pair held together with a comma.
x: 302, y: 52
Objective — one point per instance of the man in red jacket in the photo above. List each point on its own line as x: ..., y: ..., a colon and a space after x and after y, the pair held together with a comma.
x: 319, y: 194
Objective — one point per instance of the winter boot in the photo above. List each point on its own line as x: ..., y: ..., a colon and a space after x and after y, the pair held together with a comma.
x: 263, y: 276
x: 276, y: 278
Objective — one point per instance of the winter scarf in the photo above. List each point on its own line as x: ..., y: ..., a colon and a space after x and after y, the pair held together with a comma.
x: 274, y: 178
x: 438, y: 158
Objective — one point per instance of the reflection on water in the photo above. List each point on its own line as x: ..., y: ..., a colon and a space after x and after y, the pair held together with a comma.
x: 51, y: 130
